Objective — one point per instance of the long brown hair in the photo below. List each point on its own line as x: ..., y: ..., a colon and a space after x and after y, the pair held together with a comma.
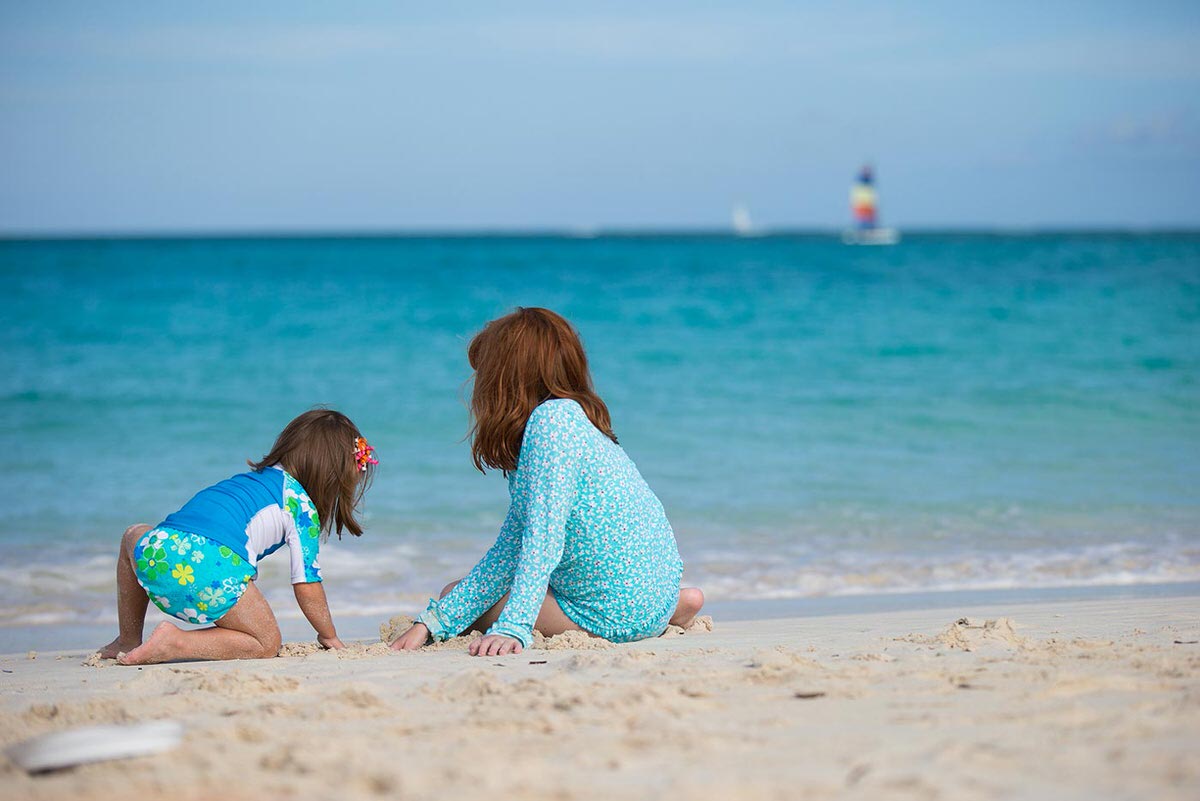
x: 521, y: 360
x: 317, y: 449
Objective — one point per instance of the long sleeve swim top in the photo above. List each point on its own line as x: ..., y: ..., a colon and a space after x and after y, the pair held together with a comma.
x: 582, y: 523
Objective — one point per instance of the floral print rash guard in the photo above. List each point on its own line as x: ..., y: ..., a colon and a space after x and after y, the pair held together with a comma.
x: 583, y: 524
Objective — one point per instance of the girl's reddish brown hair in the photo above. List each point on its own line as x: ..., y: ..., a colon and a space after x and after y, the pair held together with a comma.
x: 317, y: 449
x: 521, y: 360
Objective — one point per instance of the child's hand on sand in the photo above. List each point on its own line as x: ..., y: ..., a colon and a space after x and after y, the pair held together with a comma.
x: 495, y: 645
x: 332, y: 643
x: 412, y: 639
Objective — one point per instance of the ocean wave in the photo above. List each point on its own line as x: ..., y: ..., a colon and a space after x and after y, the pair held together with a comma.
x: 1112, y: 564
x: 400, y: 578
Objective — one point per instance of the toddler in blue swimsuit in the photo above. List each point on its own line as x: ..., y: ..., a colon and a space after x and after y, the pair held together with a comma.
x: 586, y: 544
x: 199, y: 564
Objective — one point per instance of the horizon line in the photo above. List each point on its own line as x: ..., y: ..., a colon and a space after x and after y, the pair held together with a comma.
x: 578, y: 232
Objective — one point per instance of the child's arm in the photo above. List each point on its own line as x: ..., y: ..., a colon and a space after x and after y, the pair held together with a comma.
x: 311, y: 599
x: 303, y: 538
x: 480, y: 589
x: 550, y: 464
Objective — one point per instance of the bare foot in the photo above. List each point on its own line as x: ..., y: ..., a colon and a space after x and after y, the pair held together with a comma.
x: 118, y: 646
x: 691, y: 601
x: 161, y: 647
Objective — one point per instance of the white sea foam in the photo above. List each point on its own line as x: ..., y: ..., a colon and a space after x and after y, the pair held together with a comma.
x: 862, y: 574
x: 374, y: 580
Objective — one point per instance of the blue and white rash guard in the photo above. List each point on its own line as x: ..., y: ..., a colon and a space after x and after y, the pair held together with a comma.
x: 253, y: 514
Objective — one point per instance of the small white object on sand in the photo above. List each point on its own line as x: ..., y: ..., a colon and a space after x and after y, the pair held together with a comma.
x: 66, y: 749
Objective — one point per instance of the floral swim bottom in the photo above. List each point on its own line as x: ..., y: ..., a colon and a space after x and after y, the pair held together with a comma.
x: 189, y: 576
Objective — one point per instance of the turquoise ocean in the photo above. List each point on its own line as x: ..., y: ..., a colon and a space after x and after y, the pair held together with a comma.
x: 957, y: 412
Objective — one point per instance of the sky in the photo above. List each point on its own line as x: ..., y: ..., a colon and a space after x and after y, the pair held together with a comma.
x: 294, y: 116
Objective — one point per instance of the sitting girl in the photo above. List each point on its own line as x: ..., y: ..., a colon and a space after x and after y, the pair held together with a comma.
x: 199, y: 564
x: 586, y: 545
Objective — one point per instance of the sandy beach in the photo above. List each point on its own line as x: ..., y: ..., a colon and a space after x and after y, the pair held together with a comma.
x: 1077, y: 699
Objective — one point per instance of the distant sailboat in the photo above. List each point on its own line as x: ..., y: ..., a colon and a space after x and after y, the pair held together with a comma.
x: 742, y: 224
x: 863, y: 205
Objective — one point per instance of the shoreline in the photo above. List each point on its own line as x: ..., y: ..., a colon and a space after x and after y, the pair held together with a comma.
x: 74, y: 636
x: 1049, y: 699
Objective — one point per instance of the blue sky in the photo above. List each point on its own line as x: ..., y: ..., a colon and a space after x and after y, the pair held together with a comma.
x: 295, y: 116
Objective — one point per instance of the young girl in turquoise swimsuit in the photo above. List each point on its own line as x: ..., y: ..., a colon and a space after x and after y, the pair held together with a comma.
x: 199, y: 564
x: 586, y: 545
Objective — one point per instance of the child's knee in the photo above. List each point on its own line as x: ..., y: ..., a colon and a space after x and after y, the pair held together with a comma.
x: 449, y: 588
x: 271, y: 642
x: 133, y: 534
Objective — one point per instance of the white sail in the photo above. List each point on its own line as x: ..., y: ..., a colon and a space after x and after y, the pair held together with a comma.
x: 742, y: 224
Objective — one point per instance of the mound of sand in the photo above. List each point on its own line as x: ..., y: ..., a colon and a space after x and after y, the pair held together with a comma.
x: 966, y: 634
x: 353, y: 650
x: 234, y: 684
x: 570, y: 640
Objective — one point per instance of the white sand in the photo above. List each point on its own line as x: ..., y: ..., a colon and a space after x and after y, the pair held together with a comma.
x: 1071, y: 700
